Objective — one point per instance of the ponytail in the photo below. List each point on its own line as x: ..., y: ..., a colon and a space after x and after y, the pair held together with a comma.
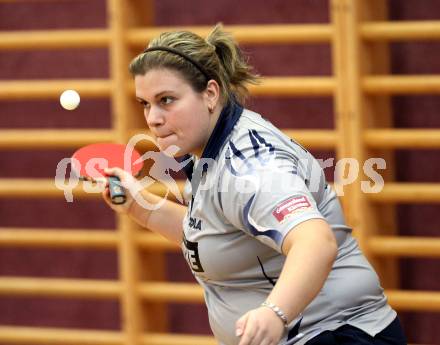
x: 234, y: 70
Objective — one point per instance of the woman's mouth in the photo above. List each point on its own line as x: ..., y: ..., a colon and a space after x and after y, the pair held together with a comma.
x: 166, y: 140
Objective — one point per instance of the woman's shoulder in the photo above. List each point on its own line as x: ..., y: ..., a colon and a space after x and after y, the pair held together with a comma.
x: 254, y: 133
x: 252, y: 128
x: 252, y: 120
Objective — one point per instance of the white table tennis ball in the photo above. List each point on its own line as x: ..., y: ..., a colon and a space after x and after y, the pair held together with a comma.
x: 69, y: 99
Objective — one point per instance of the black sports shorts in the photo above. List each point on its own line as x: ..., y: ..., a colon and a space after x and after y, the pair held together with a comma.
x: 349, y: 335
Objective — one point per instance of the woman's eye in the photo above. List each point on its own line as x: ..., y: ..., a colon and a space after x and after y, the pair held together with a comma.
x: 166, y: 100
x: 144, y: 104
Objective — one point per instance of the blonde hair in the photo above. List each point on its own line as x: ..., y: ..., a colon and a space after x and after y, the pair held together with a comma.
x: 218, y: 55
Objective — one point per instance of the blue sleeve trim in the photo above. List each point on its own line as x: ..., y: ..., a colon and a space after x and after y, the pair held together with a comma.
x: 273, y: 234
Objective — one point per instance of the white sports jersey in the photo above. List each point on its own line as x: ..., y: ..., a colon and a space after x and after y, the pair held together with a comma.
x: 252, y: 186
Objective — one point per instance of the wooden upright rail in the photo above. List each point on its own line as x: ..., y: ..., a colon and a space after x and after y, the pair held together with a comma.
x: 351, y: 85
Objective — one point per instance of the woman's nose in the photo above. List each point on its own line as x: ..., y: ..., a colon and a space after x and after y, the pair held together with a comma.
x: 154, y: 117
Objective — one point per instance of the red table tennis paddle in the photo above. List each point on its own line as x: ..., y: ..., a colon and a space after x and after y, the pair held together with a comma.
x: 90, y: 161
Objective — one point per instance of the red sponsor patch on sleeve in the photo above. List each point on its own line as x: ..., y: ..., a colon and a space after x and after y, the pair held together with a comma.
x: 291, y: 206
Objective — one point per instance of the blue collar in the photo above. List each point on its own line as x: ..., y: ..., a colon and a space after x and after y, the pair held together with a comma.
x: 225, y: 123
x: 224, y: 126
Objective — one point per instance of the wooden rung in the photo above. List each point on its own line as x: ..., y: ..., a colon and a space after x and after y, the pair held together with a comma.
x: 247, y: 34
x: 61, y: 336
x: 96, y: 38
x: 261, y: 34
x: 402, y: 138
x: 294, y: 86
x: 41, y: 188
x: 61, y: 238
x: 54, y: 39
x: 81, y: 238
x: 154, y: 242
x: 73, y: 288
x: 404, y: 246
x: 58, y: 336
x: 71, y: 138
x: 45, y: 89
x: 52, y: 138
x: 319, y: 139
x: 407, y: 193
x: 102, y: 289
x: 400, y: 30
x: 38, y: 188
x: 414, y: 84
x: 414, y: 300
x: 175, y: 292
x: 170, y: 339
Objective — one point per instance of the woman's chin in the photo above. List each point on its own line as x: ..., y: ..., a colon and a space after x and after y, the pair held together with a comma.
x: 169, y: 145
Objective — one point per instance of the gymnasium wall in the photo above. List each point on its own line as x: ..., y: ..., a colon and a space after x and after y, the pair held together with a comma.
x: 317, y: 112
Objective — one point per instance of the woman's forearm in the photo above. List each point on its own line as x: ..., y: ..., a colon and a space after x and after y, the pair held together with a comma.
x: 309, y: 261
x: 166, y: 220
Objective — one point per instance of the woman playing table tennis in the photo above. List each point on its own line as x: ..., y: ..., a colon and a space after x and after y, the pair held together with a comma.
x: 261, y: 230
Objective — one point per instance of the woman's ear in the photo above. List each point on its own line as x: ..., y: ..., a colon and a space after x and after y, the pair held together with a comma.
x: 212, y: 94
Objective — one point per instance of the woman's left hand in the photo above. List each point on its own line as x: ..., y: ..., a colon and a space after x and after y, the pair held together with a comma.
x: 259, y: 326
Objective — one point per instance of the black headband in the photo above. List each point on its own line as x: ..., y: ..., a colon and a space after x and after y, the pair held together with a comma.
x: 186, y: 57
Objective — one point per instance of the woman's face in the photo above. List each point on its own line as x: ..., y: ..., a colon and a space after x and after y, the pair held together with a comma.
x: 175, y: 113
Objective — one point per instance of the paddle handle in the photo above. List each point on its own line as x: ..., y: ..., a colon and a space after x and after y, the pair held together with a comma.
x: 117, y: 193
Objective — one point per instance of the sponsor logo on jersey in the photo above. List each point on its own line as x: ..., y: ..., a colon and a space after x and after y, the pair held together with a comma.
x: 192, y: 255
x: 291, y: 206
x: 195, y: 223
